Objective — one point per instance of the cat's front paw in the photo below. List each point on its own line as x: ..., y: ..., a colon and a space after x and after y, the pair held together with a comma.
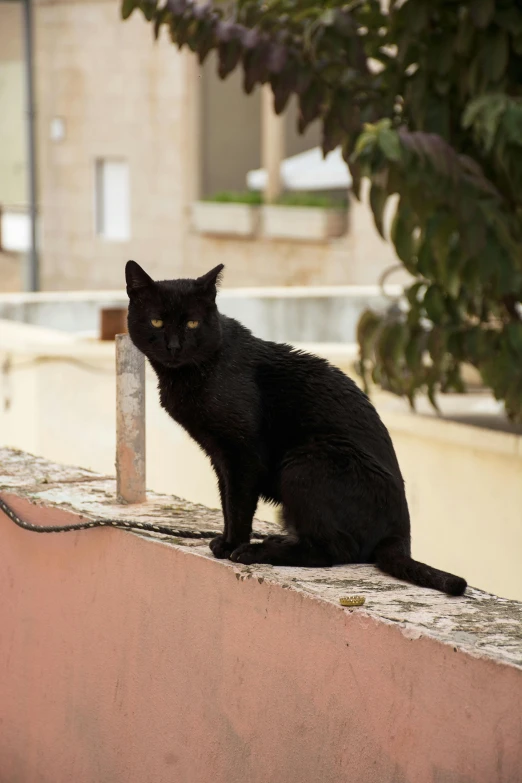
x: 248, y: 554
x: 221, y: 548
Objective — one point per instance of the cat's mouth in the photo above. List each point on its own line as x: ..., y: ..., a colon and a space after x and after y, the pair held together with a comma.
x: 173, y: 362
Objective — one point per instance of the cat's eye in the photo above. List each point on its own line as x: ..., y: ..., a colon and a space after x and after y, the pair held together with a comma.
x: 192, y: 324
x: 157, y: 323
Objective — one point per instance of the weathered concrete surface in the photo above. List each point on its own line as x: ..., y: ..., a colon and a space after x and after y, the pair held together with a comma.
x: 129, y: 660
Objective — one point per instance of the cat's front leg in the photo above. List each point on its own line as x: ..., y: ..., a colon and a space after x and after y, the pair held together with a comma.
x: 219, y: 546
x: 239, y: 500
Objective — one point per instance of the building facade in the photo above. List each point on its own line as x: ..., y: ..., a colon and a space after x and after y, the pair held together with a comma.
x: 130, y: 133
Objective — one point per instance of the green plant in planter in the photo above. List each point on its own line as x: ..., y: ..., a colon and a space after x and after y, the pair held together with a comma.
x: 232, y: 197
x: 255, y: 198
x: 426, y: 100
x: 312, y: 200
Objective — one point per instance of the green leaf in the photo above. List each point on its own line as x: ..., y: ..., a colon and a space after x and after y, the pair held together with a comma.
x: 465, y: 36
x: 513, y: 400
x: 453, y: 268
x: 148, y: 9
x: 434, y: 304
x: 426, y: 263
x: 378, y: 198
x: 482, y: 12
x: 510, y: 18
x: 389, y: 143
x: 514, y: 334
x: 229, y: 56
x: 402, y: 236
x: 474, y: 109
x: 328, y: 17
x: 414, y: 350
x: 517, y: 45
x: 310, y: 104
x: 432, y: 390
x: 333, y: 131
x: 442, y: 234
x: 512, y: 121
x: 367, y: 330
x: 127, y: 7
x: 497, y: 370
x: 441, y: 54
x: 471, y: 75
x: 454, y: 380
x: 456, y: 343
x: 365, y: 142
x: 355, y: 172
x: 417, y: 15
x: 485, y: 113
x: 162, y: 17
x: 390, y: 347
x: 497, y: 55
x: 412, y: 293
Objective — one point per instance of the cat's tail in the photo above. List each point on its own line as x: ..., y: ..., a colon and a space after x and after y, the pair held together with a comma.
x: 392, y: 556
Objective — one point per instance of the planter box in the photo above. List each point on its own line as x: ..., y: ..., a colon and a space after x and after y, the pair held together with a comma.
x: 212, y: 217
x: 304, y: 223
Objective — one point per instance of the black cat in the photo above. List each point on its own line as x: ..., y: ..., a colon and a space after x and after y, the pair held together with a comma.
x: 278, y: 424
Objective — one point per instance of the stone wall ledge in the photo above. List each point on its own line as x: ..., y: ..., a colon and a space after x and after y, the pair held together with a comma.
x: 478, y: 624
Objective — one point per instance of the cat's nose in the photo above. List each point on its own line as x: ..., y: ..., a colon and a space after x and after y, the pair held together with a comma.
x: 173, y: 343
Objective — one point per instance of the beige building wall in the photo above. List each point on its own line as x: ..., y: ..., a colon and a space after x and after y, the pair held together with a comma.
x: 12, y: 96
x: 13, y: 156
x: 120, y: 96
x: 184, y: 133
x: 10, y: 273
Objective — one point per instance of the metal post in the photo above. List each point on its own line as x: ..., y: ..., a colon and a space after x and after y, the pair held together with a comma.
x: 130, y: 422
x: 32, y: 276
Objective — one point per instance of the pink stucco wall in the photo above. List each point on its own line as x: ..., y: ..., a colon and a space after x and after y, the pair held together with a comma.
x: 124, y: 660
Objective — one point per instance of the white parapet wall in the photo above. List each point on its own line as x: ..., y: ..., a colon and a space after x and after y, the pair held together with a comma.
x: 325, y: 314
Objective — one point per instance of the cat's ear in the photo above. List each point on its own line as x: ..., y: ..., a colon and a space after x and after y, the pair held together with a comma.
x: 136, y: 277
x: 209, y: 282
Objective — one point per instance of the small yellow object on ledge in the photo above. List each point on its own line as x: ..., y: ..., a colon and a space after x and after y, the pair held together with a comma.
x: 352, y: 600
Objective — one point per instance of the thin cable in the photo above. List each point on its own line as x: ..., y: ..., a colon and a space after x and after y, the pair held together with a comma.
x: 120, y: 523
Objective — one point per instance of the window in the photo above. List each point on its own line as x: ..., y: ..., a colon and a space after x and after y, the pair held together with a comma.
x: 15, y: 231
x: 112, y: 199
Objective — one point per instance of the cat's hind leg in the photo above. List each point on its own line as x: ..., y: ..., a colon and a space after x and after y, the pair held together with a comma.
x: 320, y: 496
